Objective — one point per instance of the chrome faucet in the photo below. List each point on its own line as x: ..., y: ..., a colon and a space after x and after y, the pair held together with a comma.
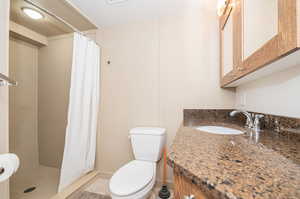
x: 253, y: 125
x: 249, y: 123
x: 256, y: 123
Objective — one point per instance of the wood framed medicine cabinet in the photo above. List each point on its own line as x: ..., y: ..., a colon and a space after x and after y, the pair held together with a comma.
x: 258, y: 38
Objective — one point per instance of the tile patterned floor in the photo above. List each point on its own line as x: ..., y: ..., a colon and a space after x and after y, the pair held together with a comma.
x: 89, y: 195
x: 99, y: 190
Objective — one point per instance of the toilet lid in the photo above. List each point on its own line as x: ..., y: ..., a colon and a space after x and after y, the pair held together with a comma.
x: 132, y: 177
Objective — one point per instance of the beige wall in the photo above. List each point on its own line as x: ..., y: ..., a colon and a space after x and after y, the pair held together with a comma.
x: 4, y: 103
x: 157, y: 69
x: 23, y: 137
x: 276, y: 94
x: 55, y: 63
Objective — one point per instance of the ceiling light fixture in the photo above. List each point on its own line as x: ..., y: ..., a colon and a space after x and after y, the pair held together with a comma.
x: 33, y: 14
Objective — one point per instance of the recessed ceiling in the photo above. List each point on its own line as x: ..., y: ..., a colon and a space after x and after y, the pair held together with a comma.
x: 103, y: 14
x: 48, y: 26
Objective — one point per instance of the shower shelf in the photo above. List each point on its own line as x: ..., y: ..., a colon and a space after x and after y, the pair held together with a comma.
x: 6, y: 81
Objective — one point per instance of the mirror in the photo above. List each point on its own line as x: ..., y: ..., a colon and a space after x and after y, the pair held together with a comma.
x: 227, y: 46
x: 256, y: 33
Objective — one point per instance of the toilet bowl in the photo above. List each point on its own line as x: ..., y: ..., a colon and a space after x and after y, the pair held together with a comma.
x: 136, y: 179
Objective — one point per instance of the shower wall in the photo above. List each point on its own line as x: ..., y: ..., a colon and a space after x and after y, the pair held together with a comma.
x: 23, y: 63
x: 55, y: 62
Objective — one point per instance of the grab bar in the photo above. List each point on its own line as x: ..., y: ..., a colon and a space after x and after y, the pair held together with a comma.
x: 6, y: 81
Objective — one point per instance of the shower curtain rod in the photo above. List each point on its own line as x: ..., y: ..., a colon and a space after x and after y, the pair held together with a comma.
x: 58, y: 18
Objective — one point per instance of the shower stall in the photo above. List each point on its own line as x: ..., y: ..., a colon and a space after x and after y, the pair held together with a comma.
x: 40, y: 59
x: 38, y: 113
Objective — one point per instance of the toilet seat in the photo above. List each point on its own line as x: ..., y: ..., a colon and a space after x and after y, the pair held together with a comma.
x: 134, y: 177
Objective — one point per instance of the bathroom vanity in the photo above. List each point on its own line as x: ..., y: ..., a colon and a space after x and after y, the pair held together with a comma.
x: 214, y: 166
x: 185, y: 189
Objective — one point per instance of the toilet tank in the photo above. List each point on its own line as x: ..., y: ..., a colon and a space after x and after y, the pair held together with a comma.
x: 147, y: 143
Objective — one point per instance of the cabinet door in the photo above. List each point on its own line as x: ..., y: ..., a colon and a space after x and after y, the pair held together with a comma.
x: 268, y: 30
x: 227, y: 47
x: 260, y: 24
x: 184, y: 188
x: 227, y: 64
x: 231, y: 40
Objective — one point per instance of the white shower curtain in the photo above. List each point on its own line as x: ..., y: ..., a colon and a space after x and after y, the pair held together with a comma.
x: 80, y: 141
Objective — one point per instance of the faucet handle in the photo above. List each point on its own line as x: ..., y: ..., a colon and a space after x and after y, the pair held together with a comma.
x: 258, y: 116
x: 257, y: 121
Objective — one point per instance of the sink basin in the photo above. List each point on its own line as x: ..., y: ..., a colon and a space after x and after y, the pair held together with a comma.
x: 220, y: 130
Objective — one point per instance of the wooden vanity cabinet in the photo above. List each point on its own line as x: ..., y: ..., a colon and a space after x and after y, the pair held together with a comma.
x: 183, y: 188
x: 263, y: 32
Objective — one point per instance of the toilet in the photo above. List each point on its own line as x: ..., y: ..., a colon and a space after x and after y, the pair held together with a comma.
x: 136, y: 179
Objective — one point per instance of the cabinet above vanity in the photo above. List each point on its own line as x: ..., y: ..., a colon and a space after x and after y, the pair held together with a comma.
x: 258, y: 38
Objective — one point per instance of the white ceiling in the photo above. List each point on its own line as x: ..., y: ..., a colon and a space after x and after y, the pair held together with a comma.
x: 103, y: 14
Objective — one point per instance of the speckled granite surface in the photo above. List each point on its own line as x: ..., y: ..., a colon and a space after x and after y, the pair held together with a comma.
x: 234, y: 167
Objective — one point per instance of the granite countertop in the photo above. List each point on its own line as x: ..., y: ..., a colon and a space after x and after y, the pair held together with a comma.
x: 234, y: 167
